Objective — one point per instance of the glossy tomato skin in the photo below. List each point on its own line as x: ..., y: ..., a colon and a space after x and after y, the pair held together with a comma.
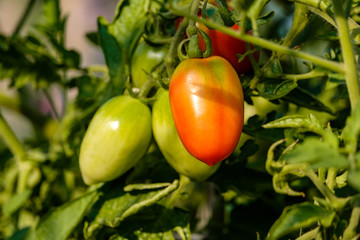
x: 207, y: 105
x: 228, y: 47
x: 144, y: 60
x: 118, y: 136
x: 170, y: 145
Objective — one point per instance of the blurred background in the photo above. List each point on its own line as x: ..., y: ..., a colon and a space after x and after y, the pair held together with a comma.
x: 82, y: 18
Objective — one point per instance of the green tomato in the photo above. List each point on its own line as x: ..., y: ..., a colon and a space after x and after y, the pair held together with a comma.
x: 144, y: 60
x: 170, y: 144
x: 118, y: 136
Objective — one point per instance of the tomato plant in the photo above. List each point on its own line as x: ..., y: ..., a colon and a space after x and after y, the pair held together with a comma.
x: 211, y: 125
x: 109, y: 148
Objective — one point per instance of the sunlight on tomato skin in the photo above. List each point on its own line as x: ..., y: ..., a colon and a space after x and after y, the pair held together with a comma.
x: 207, y: 105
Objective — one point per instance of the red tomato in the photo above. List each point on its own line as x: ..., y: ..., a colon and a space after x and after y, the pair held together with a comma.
x: 228, y: 47
x: 207, y: 105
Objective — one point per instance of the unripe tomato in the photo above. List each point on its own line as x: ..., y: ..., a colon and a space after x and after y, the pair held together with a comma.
x: 144, y: 60
x: 118, y: 136
x: 170, y: 145
x: 207, y: 105
x: 229, y: 47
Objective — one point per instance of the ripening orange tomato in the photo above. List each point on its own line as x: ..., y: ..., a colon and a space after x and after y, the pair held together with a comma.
x: 207, y: 105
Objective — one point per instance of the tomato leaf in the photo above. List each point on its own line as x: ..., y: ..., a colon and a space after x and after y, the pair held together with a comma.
x: 254, y: 128
x: 155, y: 222
x: 304, y: 99
x: 59, y: 223
x: 116, y: 205
x: 298, y: 216
x: 113, y: 54
x: 119, y: 38
x: 319, y: 154
x: 309, y: 123
x: 274, y: 90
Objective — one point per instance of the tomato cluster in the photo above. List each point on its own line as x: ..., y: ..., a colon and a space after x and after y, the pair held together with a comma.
x: 199, y: 118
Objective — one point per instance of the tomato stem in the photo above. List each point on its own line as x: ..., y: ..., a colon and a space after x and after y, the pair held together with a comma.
x: 332, y: 65
x: 181, y: 191
x: 11, y: 140
x: 350, y: 231
x: 193, y: 10
x: 170, y: 57
x: 337, y: 203
x: 351, y: 72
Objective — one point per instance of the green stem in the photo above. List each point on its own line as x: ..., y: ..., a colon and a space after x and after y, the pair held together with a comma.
x: 263, y: 43
x: 194, y: 10
x: 350, y: 231
x: 171, y: 55
x: 23, y: 18
x: 11, y: 140
x: 145, y: 89
x: 302, y: 76
x: 254, y: 12
x: 256, y: 8
x: 254, y: 64
x: 255, y: 27
x: 351, y: 73
x: 325, y: 191
x: 180, y: 192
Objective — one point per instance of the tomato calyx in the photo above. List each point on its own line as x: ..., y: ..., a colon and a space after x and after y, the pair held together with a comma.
x: 192, y: 45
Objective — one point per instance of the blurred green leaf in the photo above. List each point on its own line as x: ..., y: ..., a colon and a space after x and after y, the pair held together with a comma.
x: 299, y: 216
x: 113, y: 54
x: 16, y: 202
x: 59, y: 223
x: 317, y: 153
x: 353, y: 177
x: 26, y: 61
x: 93, y: 37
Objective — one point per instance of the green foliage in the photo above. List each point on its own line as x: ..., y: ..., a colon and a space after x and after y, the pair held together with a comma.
x: 300, y: 216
